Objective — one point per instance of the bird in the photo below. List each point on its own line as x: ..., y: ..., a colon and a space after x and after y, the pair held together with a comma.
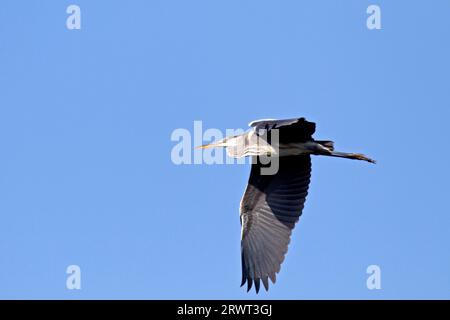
x: 273, y: 202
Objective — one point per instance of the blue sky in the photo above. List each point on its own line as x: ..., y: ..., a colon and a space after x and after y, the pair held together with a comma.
x: 86, y: 117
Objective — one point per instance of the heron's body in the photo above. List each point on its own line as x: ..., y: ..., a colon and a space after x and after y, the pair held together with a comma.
x: 272, y: 204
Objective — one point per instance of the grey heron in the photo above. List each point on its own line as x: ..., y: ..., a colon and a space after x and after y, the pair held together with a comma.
x: 272, y: 203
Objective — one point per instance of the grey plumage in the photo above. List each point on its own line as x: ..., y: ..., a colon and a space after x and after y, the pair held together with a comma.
x: 272, y: 204
x: 270, y: 208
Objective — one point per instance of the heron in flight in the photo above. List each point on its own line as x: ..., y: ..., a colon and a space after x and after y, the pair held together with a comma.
x: 272, y: 203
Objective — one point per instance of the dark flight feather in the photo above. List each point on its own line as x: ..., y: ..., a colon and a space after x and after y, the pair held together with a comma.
x: 270, y: 208
x: 290, y: 130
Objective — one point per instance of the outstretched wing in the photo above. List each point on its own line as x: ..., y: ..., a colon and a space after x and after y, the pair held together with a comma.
x: 291, y: 130
x: 270, y: 208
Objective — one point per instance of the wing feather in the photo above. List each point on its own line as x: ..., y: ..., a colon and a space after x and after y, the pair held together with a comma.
x: 270, y: 208
x: 291, y: 130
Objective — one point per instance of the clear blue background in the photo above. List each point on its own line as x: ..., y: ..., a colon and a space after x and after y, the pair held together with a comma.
x: 86, y: 117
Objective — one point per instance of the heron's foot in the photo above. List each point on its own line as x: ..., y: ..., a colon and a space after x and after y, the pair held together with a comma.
x: 359, y: 156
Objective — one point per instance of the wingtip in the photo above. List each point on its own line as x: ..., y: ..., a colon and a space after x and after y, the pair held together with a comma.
x: 273, y: 277
x: 257, y: 285
x: 265, y: 282
x: 249, y: 284
x: 257, y: 282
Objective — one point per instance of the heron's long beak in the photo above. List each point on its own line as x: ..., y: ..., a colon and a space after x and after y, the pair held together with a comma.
x: 211, y: 145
